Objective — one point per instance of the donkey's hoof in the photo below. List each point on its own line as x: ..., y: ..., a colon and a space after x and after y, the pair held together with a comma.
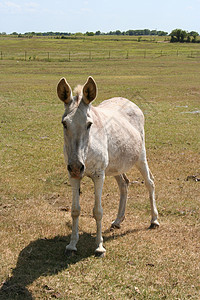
x: 100, y: 254
x: 154, y: 226
x: 70, y: 253
x: 114, y: 226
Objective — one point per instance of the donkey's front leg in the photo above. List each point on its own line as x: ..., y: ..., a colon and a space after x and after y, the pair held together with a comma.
x: 98, y: 212
x: 75, y: 212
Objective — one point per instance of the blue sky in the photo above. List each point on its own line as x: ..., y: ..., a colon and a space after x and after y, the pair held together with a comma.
x: 92, y: 15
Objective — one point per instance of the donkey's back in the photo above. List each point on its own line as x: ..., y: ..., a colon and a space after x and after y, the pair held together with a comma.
x: 123, y: 123
x: 119, y: 107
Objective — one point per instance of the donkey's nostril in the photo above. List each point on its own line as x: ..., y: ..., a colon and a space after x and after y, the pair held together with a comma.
x: 82, y: 168
x: 69, y: 168
x: 76, y: 169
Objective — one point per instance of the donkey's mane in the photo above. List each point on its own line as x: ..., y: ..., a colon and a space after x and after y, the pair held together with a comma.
x: 78, y: 92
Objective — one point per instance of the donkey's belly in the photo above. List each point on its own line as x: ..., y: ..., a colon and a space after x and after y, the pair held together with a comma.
x: 122, y: 165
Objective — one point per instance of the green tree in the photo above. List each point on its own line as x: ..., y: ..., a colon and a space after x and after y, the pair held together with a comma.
x: 118, y: 32
x: 188, y: 39
x: 194, y: 34
x: 147, y: 32
x: 89, y: 33
x: 98, y: 32
x: 178, y: 35
x: 184, y: 35
x: 130, y: 32
x: 162, y: 33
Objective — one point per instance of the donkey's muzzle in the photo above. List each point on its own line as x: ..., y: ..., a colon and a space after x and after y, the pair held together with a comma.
x: 76, y: 170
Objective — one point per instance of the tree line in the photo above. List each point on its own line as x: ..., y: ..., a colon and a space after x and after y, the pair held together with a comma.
x: 177, y: 35
x: 131, y: 32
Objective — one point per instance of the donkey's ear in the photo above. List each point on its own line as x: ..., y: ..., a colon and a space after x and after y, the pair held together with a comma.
x: 64, y: 91
x: 89, y: 90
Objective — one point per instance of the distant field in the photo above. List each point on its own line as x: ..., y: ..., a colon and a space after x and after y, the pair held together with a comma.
x: 93, y: 48
x: 35, y: 197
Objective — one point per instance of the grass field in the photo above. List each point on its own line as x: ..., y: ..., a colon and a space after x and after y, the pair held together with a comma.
x: 92, y: 48
x: 35, y: 196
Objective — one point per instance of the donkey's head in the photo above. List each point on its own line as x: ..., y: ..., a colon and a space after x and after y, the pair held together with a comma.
x: 77, y: 121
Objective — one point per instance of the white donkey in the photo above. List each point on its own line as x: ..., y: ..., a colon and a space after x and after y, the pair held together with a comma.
x: 99, y: 141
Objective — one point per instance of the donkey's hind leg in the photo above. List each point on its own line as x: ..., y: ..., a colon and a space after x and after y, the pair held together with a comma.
x: 143, y: 167
x: 123, y: 183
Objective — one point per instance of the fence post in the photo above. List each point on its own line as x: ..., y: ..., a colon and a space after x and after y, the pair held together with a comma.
x: 90, y: 55
x: 127, y: 54
x: 48, y: 55
x: 25, y: 53
x: 177, y: 53
x: 1, y: 55
x: 69, y: 56
x: 145, y: 53
x: 109, y: 54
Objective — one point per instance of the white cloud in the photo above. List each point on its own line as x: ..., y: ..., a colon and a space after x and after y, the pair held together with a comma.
x: 31, y: 6
x: 15, y: 8
x: 10, y: 6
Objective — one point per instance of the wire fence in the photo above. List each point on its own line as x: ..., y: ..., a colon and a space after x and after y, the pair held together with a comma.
x: 74, y: 55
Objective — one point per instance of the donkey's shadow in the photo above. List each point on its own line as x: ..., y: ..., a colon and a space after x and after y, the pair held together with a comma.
x: 45, y: 257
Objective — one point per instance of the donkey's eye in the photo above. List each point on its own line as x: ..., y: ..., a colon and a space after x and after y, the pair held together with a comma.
x: 89, y: 124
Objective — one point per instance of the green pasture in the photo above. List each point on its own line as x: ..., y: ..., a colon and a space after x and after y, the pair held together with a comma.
x: 35, y: 197
x: 92, y: 48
